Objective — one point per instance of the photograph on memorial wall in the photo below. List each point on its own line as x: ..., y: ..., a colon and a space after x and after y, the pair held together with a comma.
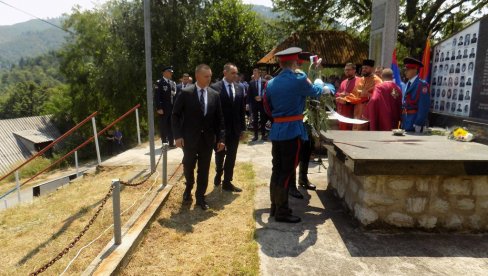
x: 453, y: 72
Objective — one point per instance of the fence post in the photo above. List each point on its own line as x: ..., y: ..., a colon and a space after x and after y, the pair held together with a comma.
x: 138, y: 128
x: 116, y: 209
x: 76, y: 163
x: 95, y: 135
x: 18, y: 184
x: 165, y: 164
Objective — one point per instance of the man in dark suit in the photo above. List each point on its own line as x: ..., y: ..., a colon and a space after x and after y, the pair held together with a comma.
x: 165, y: 95
x: 198, y: 127
x: 233, y: 108
x: 185, y: 81
x: 255, y: 98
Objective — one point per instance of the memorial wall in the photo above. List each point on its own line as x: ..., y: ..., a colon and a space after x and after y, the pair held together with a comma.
x: 459, y: 79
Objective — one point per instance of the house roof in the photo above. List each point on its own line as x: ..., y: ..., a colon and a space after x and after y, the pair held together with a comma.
x: 36, y: 129
x: 336, y: 48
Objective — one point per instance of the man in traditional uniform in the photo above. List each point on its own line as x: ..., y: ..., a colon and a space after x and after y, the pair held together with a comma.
x: 285, y: 98
x: 165, y: 95
x: 384, y: 109
x: 344, y: 107
x: 364, y: 91
x: 416, y: 97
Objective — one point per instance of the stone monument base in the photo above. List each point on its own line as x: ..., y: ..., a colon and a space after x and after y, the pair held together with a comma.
x: 383, y: 186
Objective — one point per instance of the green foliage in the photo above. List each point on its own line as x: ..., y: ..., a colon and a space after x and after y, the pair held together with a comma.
x: 417, y: 18
x: 231, y: 33
x: 30, y: 168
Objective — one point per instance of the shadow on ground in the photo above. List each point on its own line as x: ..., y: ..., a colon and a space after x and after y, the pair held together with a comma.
x: 290, y: 240
x: 401, y: 243
x: 279, y: 240
x: 188, y: 215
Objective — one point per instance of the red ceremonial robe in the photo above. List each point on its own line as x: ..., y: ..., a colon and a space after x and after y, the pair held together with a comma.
x: 384, y: 109
x: 343, y: 107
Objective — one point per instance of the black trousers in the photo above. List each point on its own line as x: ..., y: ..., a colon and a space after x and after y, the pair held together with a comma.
x: 165, y: 130
x: 285, y: 161
x: 225, y: 160
x: 259, y: 118
x: 201, y: 155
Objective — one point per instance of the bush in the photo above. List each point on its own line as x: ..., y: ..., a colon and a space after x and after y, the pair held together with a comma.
x: 31, y: 168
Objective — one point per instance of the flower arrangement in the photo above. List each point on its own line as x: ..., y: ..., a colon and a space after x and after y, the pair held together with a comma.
x: 460, y: 134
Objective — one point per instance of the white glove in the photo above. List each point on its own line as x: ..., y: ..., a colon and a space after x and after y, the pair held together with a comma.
x: 319, y: 82
x: 326, y: 90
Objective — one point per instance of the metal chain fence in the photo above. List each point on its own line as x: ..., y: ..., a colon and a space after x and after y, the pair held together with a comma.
x: 92, y: 220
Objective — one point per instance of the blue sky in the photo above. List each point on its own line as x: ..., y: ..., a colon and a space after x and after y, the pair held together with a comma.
x: 54, y: 8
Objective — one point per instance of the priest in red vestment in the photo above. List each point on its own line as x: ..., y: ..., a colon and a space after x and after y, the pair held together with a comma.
x: 344, y: 107
x: 384, y: 109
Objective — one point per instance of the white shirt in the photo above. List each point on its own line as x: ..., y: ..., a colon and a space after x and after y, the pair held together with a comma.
x: 259, y: 87
x: 205, y: 97
x: 233, y: 90
x: 411, y: 82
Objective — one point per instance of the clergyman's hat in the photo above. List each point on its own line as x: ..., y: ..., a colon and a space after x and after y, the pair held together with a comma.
x: 368, y: 62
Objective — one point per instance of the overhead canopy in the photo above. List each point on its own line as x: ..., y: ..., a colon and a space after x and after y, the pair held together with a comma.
x: 336, y: 48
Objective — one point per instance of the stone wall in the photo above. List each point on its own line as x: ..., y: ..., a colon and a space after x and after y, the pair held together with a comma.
x: 455, y: 203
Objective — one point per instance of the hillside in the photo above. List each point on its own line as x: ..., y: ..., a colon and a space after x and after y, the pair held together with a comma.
x: 264, y: 11
x: 29, y: 39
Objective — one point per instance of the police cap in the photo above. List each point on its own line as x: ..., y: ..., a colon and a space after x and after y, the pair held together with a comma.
x: 412, y: 63
x: 289, y: 54
x: 168, y: 68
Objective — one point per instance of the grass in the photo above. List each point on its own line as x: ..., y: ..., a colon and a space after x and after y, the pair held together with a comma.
x: 184, y: 240
x: 33, y: 233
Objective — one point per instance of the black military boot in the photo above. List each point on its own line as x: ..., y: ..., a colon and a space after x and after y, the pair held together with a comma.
x: 293, y: 191
x: 284, y: 215
x: 303, y: 178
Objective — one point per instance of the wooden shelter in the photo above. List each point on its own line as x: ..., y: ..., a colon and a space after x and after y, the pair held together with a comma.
x: 336, y: 48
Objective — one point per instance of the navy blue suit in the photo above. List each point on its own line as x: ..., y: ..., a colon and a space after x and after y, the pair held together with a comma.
x: 233, y: 110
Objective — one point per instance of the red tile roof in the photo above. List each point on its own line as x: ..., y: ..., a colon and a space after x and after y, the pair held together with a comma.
x: 336, y: 48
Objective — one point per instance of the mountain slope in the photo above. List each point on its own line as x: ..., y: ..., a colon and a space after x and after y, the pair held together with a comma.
x: 29, y: 39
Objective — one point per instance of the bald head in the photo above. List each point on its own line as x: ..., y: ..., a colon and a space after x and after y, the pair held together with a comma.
x: 387, y: 74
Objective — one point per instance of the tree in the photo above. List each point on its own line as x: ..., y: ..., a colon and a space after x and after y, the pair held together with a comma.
x: 231, y: 33
x: 417, y: 17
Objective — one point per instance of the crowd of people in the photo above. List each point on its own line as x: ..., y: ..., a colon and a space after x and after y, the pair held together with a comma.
x: 206, y: 117
x: 375, y: 97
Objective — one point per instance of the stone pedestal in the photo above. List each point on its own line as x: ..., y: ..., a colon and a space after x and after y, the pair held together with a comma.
x: 411, y: 181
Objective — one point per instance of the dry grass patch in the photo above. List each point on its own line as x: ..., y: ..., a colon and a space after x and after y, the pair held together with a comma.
x: 184, y: 240
x: 33, y: 233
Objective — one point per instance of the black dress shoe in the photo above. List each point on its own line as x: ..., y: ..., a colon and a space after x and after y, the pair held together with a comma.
x: 295, y: 193
x: 306, y: 184
x: 230, y: 188
x: 288, y: 219
x: 254, y: 139
x: 264, y: 138
x: 203, y: 205
x: 187, y: 196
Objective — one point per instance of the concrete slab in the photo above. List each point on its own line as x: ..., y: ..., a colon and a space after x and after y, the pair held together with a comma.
x: 383, y: 145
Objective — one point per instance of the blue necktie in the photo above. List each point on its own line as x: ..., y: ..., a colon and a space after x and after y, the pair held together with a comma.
x: 231, y: 95
x: 202, y: 101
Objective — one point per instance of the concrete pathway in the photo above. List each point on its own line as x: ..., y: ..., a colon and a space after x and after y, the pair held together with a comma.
x: 329, y: 242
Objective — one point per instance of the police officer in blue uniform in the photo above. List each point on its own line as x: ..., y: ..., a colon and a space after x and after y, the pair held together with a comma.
x: 416, y: 97
x: 285, y: 99
x: 165, y: 96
